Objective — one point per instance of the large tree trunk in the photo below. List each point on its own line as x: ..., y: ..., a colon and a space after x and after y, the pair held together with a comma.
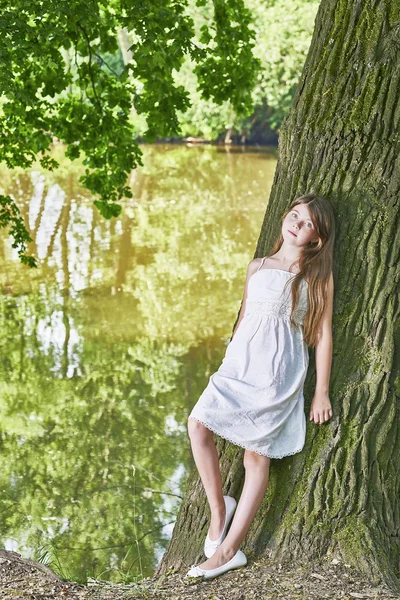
x: 341, y: 139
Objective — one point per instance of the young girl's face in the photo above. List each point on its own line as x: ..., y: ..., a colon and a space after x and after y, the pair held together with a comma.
x: 297, y: 227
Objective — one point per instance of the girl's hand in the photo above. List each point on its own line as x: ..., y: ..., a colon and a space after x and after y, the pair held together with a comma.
x: 321, y: 408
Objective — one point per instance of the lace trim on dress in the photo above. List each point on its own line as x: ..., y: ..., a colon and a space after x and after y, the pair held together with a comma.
x: 274, y: 308
x: 243, y: 445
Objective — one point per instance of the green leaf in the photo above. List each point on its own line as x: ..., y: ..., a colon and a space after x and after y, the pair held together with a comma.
x: 108, y: 210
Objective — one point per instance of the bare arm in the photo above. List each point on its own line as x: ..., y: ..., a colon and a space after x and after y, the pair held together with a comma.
x: 321, y: 409
x: 251, y: 268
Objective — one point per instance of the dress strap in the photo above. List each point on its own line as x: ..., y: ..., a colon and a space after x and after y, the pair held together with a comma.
x: 261, y: 263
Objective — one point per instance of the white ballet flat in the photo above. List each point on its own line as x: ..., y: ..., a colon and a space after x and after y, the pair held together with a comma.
x: 238, y: 560
x: 210, y: 546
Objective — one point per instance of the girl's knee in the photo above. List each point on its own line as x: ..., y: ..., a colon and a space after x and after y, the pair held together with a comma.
x: 197, y: 429
x: 253, y: 460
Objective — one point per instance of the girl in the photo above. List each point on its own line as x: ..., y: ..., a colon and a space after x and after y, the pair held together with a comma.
x: 255, y: 399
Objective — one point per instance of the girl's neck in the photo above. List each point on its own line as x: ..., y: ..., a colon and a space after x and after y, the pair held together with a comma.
x: 286, y: 258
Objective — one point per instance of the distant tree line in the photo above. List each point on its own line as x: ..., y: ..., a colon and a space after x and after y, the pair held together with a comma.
x: 103, y: 76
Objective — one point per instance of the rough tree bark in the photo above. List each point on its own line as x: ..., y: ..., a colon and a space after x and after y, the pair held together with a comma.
x: 341, y: 139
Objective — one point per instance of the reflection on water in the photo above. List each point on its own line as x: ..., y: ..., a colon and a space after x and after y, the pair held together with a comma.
x: 107, y: 346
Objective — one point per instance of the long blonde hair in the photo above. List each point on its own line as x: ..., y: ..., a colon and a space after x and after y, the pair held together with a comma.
x: 315, y: 263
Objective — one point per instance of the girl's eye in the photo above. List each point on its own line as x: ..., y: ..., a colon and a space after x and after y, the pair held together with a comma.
x: 309, y: 225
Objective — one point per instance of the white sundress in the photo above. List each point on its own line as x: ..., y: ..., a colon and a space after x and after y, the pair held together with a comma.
x: 255, y: 399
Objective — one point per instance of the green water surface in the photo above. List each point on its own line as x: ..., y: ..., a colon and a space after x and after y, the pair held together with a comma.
x: 108, y: 344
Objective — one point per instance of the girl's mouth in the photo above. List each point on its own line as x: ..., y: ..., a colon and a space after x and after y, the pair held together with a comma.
x: 292, y: 233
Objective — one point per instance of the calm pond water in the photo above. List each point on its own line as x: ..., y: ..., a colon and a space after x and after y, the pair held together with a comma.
x: 108, y: 344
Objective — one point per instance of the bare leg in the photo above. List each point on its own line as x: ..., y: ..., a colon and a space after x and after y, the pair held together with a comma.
x: 255, y: 484
x: 206, y: 458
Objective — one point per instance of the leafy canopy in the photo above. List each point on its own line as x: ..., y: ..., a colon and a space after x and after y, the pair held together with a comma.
x: 56, y: 83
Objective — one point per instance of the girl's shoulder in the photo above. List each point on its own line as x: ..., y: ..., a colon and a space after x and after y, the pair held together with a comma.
x: 253, y: 266
x: 255, y: 263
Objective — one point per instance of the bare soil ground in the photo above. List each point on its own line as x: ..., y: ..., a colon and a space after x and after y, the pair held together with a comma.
x: 263, y: 580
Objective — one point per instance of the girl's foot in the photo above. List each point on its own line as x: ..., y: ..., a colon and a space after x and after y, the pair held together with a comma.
x: 218, y: 531
x: 238, y: 560
x: 219, y: 558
